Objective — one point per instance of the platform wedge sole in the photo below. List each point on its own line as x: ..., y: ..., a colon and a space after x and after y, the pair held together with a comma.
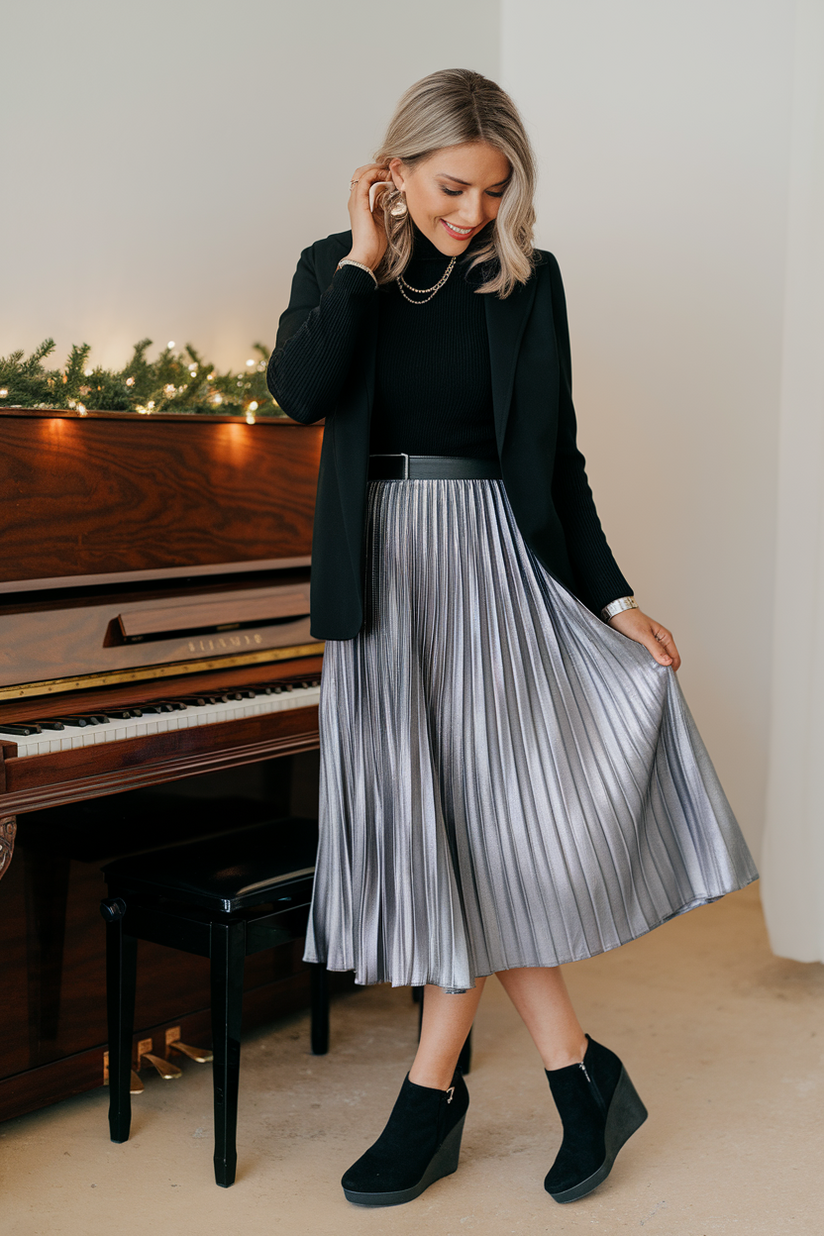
x: 625, y: 1116
x: 443, y: 1163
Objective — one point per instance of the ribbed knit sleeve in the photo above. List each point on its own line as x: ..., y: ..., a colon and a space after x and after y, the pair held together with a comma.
x: 592, y: 561
x: 316, y: 339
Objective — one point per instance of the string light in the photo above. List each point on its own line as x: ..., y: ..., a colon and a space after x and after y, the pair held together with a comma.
x: 170, y: 389
x: 130, y: 381
x: 170, y: 344
x: 81, y: 409
x: 3, y: 393
x: 210, y: 377
x: 250, y: 362
x: 150, y: 405
x: 217, y: 399
x: 250, y: 420
x: 253, y: 406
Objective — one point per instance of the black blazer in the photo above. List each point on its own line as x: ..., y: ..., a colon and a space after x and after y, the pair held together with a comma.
x: 543, y: 470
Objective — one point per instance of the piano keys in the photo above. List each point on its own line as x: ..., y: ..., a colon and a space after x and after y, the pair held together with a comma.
x: 154, y: 643
x: 66, y: 733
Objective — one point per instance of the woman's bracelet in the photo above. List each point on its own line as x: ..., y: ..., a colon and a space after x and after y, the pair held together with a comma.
x: 360, y: 266
x: 618, y: 607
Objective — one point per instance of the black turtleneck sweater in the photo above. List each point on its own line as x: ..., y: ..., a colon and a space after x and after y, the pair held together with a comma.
x: 433, y: 391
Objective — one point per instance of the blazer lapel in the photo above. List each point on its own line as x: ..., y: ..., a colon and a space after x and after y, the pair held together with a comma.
x: 505, y: 323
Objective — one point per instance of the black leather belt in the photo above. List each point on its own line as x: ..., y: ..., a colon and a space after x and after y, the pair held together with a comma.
x: 432, y: 468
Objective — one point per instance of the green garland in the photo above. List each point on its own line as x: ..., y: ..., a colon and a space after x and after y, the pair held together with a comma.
x: 174, y: 382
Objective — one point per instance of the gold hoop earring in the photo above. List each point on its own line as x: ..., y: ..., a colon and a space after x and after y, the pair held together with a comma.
x: 399, y: 209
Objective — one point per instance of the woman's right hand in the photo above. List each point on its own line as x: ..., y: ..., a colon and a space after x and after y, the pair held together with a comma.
x: 368, y: 232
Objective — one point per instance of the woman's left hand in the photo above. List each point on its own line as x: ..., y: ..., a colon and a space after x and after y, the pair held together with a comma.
x: 645, y: 630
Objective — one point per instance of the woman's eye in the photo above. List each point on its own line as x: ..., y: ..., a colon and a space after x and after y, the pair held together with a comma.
x: 451, y: 192
x: 491, y: 194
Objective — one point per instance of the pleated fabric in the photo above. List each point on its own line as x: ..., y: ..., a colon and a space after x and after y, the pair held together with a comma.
x: 505, y: 780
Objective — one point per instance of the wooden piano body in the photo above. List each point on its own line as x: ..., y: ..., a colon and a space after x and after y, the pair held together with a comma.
x: 144, y: 560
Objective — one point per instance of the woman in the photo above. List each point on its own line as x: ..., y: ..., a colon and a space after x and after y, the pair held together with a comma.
x: 510, y: 777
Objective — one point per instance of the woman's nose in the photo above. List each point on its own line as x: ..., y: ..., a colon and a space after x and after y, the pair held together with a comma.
x: 472, y: 211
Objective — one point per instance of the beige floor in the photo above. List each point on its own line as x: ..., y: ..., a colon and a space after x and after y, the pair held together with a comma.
x: 724, y: 1041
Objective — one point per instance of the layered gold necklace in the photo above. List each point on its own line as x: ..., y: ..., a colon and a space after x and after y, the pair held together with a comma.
x: 427, y: 293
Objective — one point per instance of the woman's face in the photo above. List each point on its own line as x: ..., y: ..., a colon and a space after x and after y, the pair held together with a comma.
x: 453, y: 193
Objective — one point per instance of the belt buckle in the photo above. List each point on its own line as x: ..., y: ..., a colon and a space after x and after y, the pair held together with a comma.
x: 397, y: 455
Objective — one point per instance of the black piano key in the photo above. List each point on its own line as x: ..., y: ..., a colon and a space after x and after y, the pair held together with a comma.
x: 77, y: 722
x: 207, y: 698
x: 50, y: 724
x: 123, y: 714
x: 19, y: 730
x: 151, y: 709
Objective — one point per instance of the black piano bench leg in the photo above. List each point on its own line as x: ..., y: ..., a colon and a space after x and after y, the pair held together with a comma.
x: 320, y: 1010
x: 465, y: 1058
x: 121, y: 976
x: 228, y: 954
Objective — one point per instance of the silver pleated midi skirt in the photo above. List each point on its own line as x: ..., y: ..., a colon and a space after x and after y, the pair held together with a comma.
x: 505, y: 780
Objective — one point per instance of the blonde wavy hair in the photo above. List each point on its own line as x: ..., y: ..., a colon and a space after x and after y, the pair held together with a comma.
x: 448, y: 108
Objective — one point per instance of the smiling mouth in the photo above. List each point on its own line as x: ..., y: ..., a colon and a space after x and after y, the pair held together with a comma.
x: 459, y: 232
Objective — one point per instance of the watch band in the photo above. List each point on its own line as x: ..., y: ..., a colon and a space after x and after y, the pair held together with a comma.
x: 618, y: 607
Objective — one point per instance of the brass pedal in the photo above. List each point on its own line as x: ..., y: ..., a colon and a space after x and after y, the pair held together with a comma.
x: 165, y: 1068
x: 201, y: 1054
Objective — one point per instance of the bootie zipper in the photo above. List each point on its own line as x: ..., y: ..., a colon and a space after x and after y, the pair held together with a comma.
x: 595, y: 1089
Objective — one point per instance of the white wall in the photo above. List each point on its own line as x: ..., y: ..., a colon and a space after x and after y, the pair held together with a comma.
x: 165, y: 162
x: 662, y: 131
x: 793, y: 862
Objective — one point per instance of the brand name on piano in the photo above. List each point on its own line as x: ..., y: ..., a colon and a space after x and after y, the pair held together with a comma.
x: 225, y: 643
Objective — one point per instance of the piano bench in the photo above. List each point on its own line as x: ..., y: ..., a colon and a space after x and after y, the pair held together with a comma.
x: 223, y: 898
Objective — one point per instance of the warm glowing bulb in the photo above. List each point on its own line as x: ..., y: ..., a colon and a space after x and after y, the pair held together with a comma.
x: 169, y: 390
x: 210, y: 377
x: 88, y: 373
x: 250, y: 420
x: 80, y: 408
x: 150, y: 404
x: 170, y: 344
x: 253, y: 406
x: 130, y: 381
x: 140, y: 408
x: 3, y: 393
x: 218, y: 399
x: 250, y: 362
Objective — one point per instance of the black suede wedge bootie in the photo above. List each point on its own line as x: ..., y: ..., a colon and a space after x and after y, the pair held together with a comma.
x: 420, y: 1144
x: 600, y: 1110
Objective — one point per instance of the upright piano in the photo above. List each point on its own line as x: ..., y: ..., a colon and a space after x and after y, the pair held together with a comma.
x: 158, y: 681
